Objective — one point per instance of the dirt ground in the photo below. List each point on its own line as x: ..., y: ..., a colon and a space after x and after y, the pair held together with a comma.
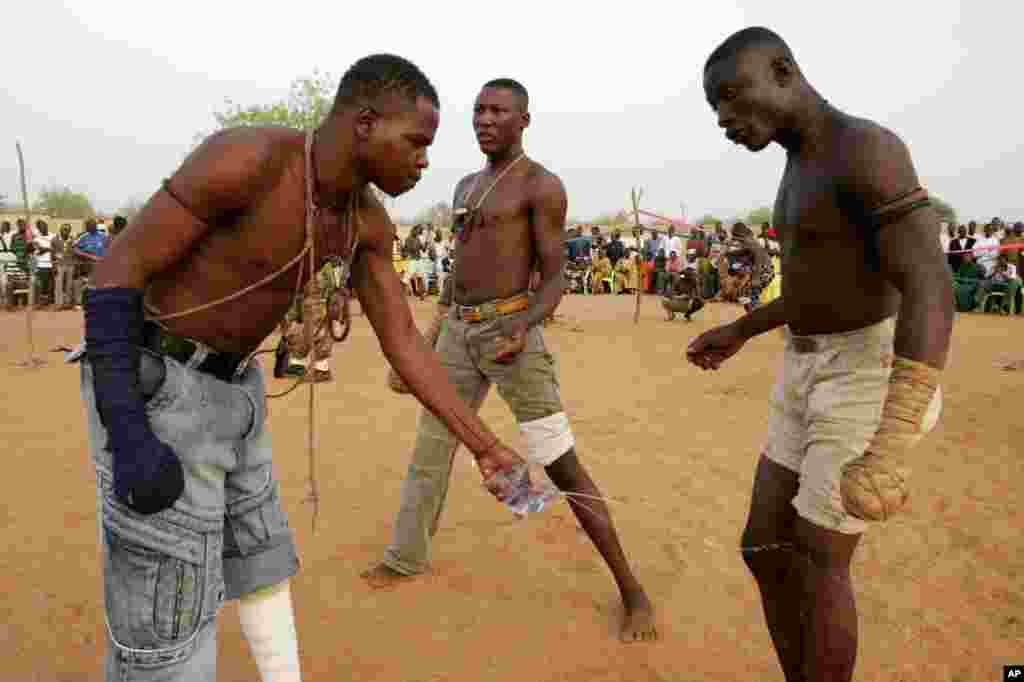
x: 940, y: 591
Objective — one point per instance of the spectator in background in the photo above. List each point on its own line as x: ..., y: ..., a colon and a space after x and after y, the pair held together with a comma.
x: 768, y: 240
x: 602, y: 270
x: 721, y: 236
x: 24, y: 228
x: 669, y: 242
x: 579, y: 246
x: 1004, y: 279
x: 596, y: 242
x: 441, y: 252
x: 63, y: 267
x: 615, y: 249
x: 759, y: 260
x: 707, y: 268
x: 651, y: 246
x: 21, y: 244
x: 7, y: 258
x: 1015, y: 237
x: 42, y: 257
x: 627, y: 277
x: 5, y: 237
x: 413, y: 251
x: 89, y: 248
x: 986, y: 250
x: 674, y: 267
x: 118, y: 227
x: 946, y: 238
x: 958, y: 247
x: 661, y: 277
x: 998, y: 227
x: 966, y: 282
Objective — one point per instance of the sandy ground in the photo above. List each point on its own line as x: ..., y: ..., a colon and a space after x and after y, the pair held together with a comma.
x: 940, y: 591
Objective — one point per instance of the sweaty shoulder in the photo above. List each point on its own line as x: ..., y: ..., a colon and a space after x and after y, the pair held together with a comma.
x: 229, y: 168
x: 543, y: 184
x: 376, y: 231
x: 874, y: 165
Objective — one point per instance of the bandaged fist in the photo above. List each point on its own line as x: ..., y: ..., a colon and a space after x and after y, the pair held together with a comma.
x: 148, y: 476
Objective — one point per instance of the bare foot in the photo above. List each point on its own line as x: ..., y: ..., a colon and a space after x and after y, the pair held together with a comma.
x: 638, y: 625
x: 382, y: 577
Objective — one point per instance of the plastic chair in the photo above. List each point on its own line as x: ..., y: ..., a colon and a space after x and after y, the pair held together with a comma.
x: 991, y: 297
x: 610, y: 281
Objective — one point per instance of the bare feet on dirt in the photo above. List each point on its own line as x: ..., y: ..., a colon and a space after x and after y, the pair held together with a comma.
x: 382, y: 577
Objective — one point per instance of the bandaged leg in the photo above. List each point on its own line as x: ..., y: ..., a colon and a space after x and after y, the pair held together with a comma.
x: 269, y: 626
x: 874, y: 486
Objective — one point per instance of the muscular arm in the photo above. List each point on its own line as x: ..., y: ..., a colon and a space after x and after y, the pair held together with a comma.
x: 218, y: 178
x: 380, y: 294
x: 879, y: 178
x: 763, y: 319
x: 548, y: 206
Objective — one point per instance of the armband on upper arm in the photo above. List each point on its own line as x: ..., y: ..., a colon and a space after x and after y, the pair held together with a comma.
x: 166, y: 185
x: 903, y: 205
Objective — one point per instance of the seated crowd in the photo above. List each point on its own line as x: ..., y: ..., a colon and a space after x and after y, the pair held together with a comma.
x: 58, y: 265
x: 713, y: 265
x: 986, y: 268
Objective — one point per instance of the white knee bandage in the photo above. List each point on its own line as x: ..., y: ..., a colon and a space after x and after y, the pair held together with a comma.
x: 547, y: 438
x: 269, y: 626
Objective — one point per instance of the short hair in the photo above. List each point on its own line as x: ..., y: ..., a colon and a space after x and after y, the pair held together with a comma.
x: 753, y: 36
x: 381, y: 74
x: 6, y: 223
x: 120, y: 222
x: 513, y: 86
x: 742, y: 230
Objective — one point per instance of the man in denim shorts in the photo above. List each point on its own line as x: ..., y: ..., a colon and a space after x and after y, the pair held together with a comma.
x: 189, y: 506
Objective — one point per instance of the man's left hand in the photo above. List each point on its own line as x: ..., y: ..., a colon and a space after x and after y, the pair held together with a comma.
x: 511, y: 340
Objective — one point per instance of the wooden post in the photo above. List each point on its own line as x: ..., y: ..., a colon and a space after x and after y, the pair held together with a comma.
x: 635, y: 194
x: 32, y: 360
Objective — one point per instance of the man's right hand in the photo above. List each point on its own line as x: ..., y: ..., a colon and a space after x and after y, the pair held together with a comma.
x: 715, y: 346
x: 499, y: 459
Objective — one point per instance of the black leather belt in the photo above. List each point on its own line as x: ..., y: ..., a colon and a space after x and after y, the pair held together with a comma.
x: 224, y: 366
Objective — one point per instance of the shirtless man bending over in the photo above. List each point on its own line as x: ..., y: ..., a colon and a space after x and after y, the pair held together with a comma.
x: 514, y: 222
x: 191, y: 513
x: 868, y: 306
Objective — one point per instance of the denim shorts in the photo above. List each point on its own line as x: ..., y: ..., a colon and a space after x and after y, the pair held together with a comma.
x: 166, y: 575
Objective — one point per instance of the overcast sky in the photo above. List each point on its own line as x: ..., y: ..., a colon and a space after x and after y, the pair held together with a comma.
x: 106, y: 97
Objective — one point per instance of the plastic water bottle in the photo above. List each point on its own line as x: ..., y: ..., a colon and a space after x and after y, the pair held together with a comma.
x: 523, y: 497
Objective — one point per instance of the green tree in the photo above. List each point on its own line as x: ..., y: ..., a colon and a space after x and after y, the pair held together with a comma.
x: 708, y: 219
x: 309, y: 99
x: 762, y: 214
x: 65, y: 203
x: 610, y: 219
x: 945, y: 210
x: 438, y: 215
